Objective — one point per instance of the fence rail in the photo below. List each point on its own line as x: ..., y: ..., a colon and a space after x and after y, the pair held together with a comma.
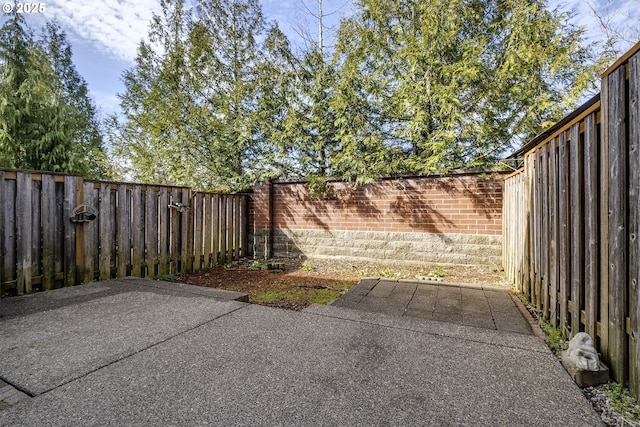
x: 138, y: 230
x: 571, y: 223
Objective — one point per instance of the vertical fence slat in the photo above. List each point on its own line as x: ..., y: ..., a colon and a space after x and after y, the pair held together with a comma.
x: 151, y: 231
x: 535, y: 230
x: 603, y: 154
x: 577, y: 227
x: 36, y: 231
x: 106, y: 231
x: 137, y: 231
x: 591, y: 260
x: 186, y: 233
x: 236, y: 226
x: 531, y: 259
x: 616, y: 131
x: 563, y: 212
x: 229, y: 229
x: 207, y: 255
x: 244, y: 239
x: 223, y: 229
x: 71, y: 184
x: 634, y: 224
x: 23, y: 232
x: 163, y: 236
x: 541, y: 304
x: 90, y: 235
x: 215, y: 210
x: 554, y: 234
x: 4, y: 201
x: 9, y: 244
x: 197, y: 231
x: 175, y: 232
x: 48, y: 232
x: 123, y: 230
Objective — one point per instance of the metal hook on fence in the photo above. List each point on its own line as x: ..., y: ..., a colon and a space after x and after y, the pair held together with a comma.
x: 84, y: 213
x: 179, y: 206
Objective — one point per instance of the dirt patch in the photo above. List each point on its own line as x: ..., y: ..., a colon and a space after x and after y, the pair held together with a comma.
x: 300, y: 283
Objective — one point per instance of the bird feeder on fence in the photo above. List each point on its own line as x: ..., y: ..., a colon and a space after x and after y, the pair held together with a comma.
x: 84, y: 213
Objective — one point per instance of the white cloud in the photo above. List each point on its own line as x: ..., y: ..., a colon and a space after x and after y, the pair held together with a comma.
x: 113, y: 27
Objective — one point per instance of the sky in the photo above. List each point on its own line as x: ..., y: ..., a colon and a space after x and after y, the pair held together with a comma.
x: 105, y: 34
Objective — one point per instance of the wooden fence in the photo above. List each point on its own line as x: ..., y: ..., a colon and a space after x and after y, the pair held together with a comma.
x: 138, y: 230
x: 572, y: 218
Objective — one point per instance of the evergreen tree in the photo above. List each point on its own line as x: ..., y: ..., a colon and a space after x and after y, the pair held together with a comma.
x: 33, y: 129
x: 310, y: 122
x: 47, y: 120
x: 157, y: 104
x: 430, y: 85
x: 82, y: 121
x: 199, y: 108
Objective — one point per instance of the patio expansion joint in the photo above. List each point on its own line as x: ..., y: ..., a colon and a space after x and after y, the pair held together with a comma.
x: 126, y: 356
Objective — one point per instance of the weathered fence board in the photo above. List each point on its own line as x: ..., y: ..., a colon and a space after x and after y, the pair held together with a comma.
x: 564, y: 256
x: 577, y: 227
x: 123, y: 230
x: 584, y: 220
x: 71, y: 185
x: 90, y: 236
x: 174, y: 221
x: 591, y: 225
x: 106, y: 227
x: 163, y: 231
x: 198, y: 238
x: 634, y: 222
x: 48, y: 233
x: 215, y: 226
x: 151, y: 231
x: 23, y: 233
x: 139, y: 230
x: 616, y: 134
x: 208, y: 231
x: 554, y: 268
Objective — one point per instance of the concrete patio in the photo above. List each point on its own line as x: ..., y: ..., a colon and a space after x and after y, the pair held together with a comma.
x: 139, y: 352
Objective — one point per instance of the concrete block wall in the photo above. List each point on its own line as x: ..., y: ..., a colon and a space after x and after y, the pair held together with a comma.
x: 454, y: 219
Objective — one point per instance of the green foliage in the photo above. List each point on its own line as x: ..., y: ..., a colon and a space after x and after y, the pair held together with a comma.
x: 388, y: 272
x: 622, y: 402
x: 318, y: 186
x: 203, y: 99
x: 217, y: 100
x: 82, y: 120
x: 435, y: 85
x: 306, y: 266
x: 257, y: 266
x: 46, y: 119
x: 555, y: 341
x: 297, y: 297
x: 436, y: 272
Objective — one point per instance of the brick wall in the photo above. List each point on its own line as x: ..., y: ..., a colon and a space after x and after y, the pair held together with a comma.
x: 455, y: 219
